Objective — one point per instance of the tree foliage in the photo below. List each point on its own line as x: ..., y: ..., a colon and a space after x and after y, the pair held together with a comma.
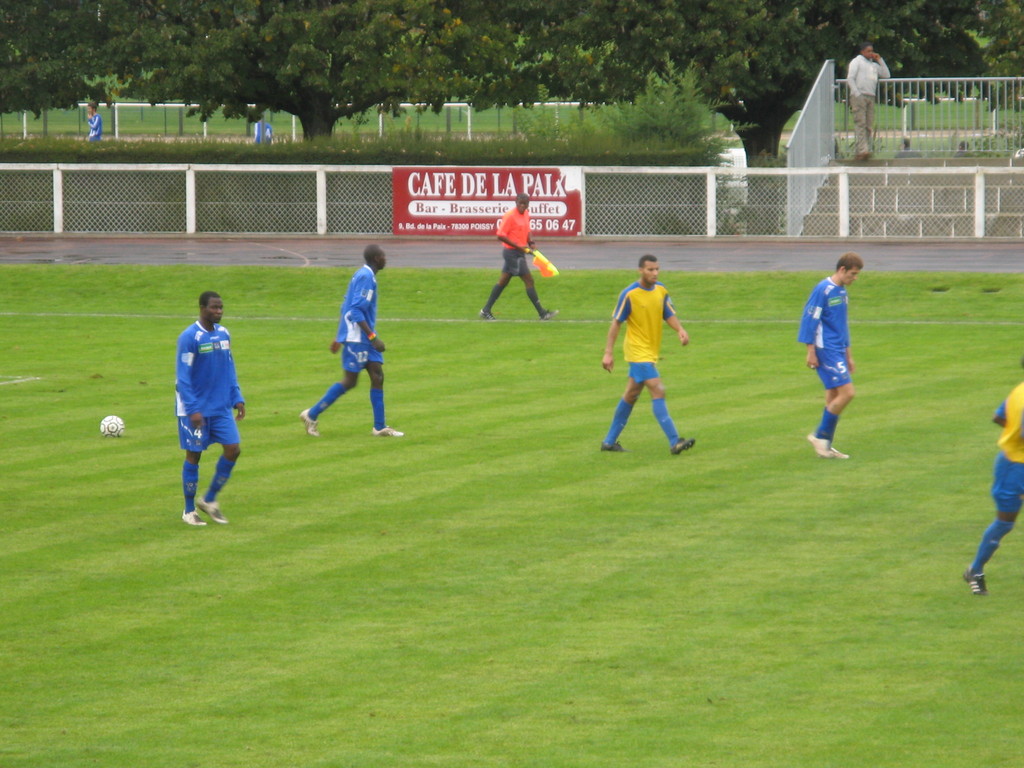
x: 669, y: 110
x: 756, y: 58
x: 323, y: 60
x: 49, y: 54
x: 778, y: 47
x: 318, y: 60
x: 1004, y: 26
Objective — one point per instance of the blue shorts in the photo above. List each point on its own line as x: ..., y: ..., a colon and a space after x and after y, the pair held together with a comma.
x: 219, y: 428
x: 832, y: 368
x: 356, y: 355
x: 1007, y: 484
x: 641, y: 372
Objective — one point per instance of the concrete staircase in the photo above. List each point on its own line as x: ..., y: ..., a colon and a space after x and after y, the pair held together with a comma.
x: 901, y: 204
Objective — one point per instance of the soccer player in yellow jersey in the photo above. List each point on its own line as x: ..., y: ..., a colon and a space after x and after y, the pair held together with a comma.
x: 1007, y: 485
x: 643, y: 307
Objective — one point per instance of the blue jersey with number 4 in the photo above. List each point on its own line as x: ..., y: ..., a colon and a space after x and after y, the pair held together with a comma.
x: 206, y: 378
x: 824, y: 323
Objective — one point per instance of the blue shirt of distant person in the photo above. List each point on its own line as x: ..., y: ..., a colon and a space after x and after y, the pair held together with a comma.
x: 95, y: 121
x: 264, y: 132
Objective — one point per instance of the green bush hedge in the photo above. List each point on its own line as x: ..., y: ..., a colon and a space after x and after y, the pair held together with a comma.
x: 401, y: 150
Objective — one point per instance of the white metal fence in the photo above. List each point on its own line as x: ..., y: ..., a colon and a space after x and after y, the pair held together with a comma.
x: 172, y: 121
x: 905, y: 202
x: 941, y: 116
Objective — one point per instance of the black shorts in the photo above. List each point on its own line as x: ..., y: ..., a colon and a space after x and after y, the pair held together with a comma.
x: 515, y: 262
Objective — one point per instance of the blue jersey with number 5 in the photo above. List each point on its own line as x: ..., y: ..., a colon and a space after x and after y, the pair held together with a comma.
x: 825, y: 323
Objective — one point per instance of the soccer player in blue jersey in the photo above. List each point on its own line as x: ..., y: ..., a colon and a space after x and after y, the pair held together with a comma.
x: 95, y: 120
x: 1007, y: 485
x: 643, y: 306
x: 206, y: 392
x: 362, y: 346
x: 825, y: 329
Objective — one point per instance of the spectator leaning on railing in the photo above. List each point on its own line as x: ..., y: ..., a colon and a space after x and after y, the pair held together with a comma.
x: 862, y: 77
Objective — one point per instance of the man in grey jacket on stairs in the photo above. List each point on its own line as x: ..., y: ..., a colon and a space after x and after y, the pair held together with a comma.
x: 862, y: 77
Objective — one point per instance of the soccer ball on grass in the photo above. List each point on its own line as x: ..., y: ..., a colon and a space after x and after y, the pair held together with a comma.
x: 112, y: 426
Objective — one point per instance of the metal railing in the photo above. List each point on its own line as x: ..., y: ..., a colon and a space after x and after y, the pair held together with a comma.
x: 941, y: 116
x: 138, y: 119
x: 171, y: 120
x: 811, y: 145
x: 863, y: 202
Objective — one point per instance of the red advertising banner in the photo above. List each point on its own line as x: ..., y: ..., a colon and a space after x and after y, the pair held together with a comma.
x: 456, y: 200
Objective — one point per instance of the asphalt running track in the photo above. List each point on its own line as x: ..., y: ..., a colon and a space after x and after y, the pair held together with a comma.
x: 695, y: 254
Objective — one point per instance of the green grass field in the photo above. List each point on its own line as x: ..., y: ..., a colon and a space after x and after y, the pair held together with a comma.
x: 491, y: 590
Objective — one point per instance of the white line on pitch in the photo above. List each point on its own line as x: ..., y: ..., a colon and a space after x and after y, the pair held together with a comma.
x: 476, y: 321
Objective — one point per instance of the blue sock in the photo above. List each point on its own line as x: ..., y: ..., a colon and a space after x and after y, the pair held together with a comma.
x: 189, y: 484
x: 220, y: 477
x: 990, y: 543
x: 622, y: 411
x: 332, y: 394
x: 667, y: 425
x: 377, y: 401
x: 827, y: 428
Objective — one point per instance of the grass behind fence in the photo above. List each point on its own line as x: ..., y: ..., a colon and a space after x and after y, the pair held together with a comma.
x: 173, y: 121
x: 491, y: 590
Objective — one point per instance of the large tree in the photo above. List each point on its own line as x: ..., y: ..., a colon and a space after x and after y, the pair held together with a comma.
x: 757, y: 58
x: 48, y: 50
x: 764, y: 60
x: 316, y: 59
x: 323, y: 60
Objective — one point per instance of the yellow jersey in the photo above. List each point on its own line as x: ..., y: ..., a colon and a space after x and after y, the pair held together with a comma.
x: 1010, y: 440
x: 643, y: 310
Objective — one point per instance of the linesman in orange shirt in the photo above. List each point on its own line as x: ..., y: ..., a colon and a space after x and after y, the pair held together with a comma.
x: 514, y: 232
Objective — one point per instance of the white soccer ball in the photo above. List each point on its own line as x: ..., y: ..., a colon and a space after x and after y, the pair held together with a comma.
x: 112, y: 426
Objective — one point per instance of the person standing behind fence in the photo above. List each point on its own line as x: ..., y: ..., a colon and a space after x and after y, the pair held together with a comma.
x: 862, y: 77
x: 95, y: 121
x: 264, y: 131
